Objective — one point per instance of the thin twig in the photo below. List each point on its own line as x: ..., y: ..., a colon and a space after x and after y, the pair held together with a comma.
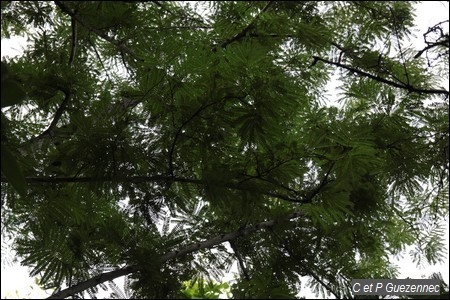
x: 245, y: 30
x: 409, y: 88
x: 400, y: 46
x: 441, y: 43
x: 98, y: 32
x: 178, y: 133
x: 74, y: 40
x: 240, y: 260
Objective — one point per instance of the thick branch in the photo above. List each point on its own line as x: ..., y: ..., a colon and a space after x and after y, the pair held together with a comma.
x: 175, y: 254
x: 404, y: 86
x: 93, y: 282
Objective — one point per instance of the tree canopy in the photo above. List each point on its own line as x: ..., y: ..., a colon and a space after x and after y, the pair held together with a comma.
x: 148, y: 139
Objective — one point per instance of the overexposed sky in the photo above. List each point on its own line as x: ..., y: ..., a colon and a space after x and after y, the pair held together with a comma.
x: 15, y: 282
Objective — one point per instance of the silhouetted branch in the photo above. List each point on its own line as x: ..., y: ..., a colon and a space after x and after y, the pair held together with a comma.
x: 245, y: 30
x: 98, y: 32
x: 207, y: 244
x: 441, y: 43
x: 402, y: 85
x: 59, y: 112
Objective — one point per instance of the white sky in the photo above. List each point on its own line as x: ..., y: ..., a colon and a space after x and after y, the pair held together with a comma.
x: 15, y: 282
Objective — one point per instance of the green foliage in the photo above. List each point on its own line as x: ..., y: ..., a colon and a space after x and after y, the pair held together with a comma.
x: 204, y: 290
x: 134, y: 130
x: 12, y: 92
x: 11, y: 170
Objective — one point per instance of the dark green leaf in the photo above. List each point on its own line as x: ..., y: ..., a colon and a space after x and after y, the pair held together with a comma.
x: 12, y: 171
x: 12, y: 93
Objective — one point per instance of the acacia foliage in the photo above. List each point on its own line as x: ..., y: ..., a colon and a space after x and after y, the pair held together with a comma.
x: 152, y: 133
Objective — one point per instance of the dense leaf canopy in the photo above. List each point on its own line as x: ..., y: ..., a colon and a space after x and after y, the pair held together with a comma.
x: 150, y: 140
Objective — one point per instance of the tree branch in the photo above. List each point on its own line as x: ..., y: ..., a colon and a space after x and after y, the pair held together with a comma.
x: 245, y: 30
x: 74, y: 41
x: 181, y: 14
x: 322, y: 184
x: 240, y: 260
x: 402, y: 85
x: 324, y: 284
x: 178, y: 133
x: 441, y: 43
x: 59, y: 112
x: 217, y: 240
x: 93, y: 282
x: 101, y: 34
x: 161, y: 178
x: 67, y: 92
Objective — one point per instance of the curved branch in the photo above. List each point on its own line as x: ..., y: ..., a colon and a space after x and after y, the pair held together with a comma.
x: 407, y: 87
x: 217, y: 240
x: 441, y: 43
x: 101, y: 34
x: 59, y: 112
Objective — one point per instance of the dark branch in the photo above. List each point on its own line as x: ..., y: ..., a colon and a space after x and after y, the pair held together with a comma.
x: 244, y: 32
x: 175, y: 254
x: 93, y: 282
x: 49, y: 131
x: 68, y: 94
x: 402, y: 85
x: 101, y: 34
x: 322, y: 184
x: 181, y: 14
x: 240, y: 260
x: 178, y: 133
x: 441, y: 43
x: 324, y: 284
x: 166, y: 179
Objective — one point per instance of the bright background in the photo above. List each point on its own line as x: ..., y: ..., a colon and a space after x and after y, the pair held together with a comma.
x: 15, y: 282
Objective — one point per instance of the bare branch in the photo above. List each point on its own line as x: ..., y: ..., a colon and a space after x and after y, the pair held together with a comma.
x: 93, y: 282
x: 441, y: 43
x: 324, y: 284
x: 402, y: 85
